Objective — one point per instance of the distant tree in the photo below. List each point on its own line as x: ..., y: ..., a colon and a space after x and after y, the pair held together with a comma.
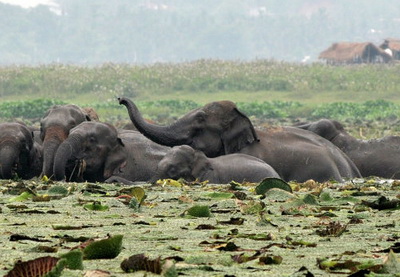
x: 148, y: 31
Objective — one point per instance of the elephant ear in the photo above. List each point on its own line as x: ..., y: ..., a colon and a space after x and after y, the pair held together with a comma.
x: 239, y: 133
x: 90, y: 114
x: 115, y: 160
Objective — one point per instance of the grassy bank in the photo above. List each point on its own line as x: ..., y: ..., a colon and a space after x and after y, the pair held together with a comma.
x: 263, y: 89
x: 203, y: 81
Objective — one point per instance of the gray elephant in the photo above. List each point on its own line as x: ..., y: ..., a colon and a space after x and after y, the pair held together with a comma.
x: 103, y: 153
x: 185, y: 162
x: 54, y: 129
x: 219, y: 128
x: 374, y: 157
x: 20, y: 154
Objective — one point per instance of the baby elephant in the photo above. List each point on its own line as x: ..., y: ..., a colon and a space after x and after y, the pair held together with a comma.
x: 185, y: 162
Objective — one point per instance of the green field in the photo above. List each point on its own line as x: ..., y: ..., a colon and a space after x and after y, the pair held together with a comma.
x: 265, y: 90
x: 203, y: 81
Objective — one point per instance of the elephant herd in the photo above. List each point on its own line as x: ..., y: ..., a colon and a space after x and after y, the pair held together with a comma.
x: 216, y: 142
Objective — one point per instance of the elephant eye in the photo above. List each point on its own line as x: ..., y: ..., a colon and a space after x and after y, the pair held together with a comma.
x: 172, y: 171
x: 92, y: 139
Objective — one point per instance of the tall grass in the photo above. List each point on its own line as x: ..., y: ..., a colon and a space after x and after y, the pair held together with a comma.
x: 202, y: 76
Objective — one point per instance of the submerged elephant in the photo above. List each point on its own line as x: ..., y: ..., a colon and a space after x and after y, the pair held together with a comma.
x: 20, y: 154
x: 102, y: 153
x: 219, y: 128
x: 185, y: 162
x: 374, y: 157
x: 54, y: 129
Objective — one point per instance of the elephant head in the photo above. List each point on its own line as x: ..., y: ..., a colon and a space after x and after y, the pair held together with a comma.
x: 217, y: 128
x: 17, y: 152
x: 54, y: 129
x: 328, y: 129
x: 179, y: 162
x: 98, y: 148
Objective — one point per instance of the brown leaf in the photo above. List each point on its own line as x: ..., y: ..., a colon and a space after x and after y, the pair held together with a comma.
x: 242, y: 258
x: 97, y: 273
x: 33, y: 268
x: 382, y: 203
x: 205, y: 227
x: 141, y: 262
x: 18, y: 237
x: 333, y: 229
x: 266, y: 260
x: 233, y: 221
x: 229, y: 246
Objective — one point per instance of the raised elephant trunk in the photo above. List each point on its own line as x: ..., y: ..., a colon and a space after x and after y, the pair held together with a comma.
x: 165, y: 135
x: 67, y: 150
x: 8, y: 158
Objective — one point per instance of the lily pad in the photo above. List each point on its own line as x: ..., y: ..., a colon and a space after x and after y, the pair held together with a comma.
x: 279, y: 195
x: 310, y: 199
x: 139, y: 194
x: 391, y: 264
x: 95, y: 206
x: 269, y: 183
x: 220, y: 195
x: 22, y: 197
x: 58, y: 190
x: 103, y: 249
x: 199, y: 211
x: 74, y: 259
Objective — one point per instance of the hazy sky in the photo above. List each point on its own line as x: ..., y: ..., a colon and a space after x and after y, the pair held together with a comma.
x: 27, y: 3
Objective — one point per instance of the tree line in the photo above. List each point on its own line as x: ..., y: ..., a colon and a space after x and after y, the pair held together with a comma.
x: 142, y: 31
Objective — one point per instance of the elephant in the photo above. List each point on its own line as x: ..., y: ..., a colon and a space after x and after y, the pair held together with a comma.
x: 20, y: 154
x: 54, y: 128
x: 374, y: 157
x: 105, y: 153
x: 184, y: 162
x: 220, y: 128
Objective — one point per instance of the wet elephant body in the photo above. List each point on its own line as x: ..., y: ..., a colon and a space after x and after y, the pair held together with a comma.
x: 54, y: 129
x: 20, y: 154
x: 374, y: 157
x: 102, y: 153
x: 185, y: 162
x: 219, y: 128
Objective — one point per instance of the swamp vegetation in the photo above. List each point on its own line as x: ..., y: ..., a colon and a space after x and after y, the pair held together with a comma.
x: 201, y: 229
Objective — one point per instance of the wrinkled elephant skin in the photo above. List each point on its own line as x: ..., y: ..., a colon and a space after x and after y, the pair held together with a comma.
x: 374, y: 157
x: 54, y: 129
x: 219, y: 128
x: 105, y: 153
x: 185, y: 162
x: 20, y: 154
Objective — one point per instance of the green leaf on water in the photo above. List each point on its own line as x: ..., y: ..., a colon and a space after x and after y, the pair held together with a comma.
x: 325, y: 196
x: 199, y: 211
x: 58, y: 190
x: 22, y: 197
x: 269, y: 183
x: 96, y: 206
x: 134, y: 204
x: 139, y: 194
x: 391, y: 263
x: 220, y: 195
x: 74, y: 259
x: 310, y: 199
x: 103, y: 249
